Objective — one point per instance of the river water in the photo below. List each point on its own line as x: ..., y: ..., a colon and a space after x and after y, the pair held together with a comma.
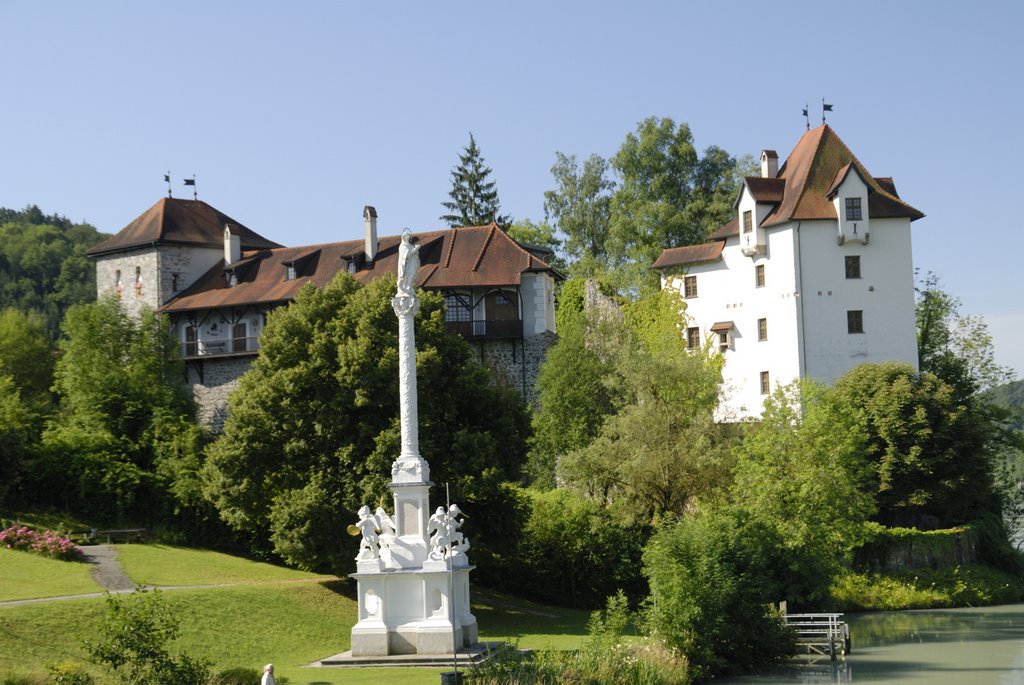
x: 963, y: 646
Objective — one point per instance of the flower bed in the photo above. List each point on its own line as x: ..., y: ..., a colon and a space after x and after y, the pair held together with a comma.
x: 47, y: 543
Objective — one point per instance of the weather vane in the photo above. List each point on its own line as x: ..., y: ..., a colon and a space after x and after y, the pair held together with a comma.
x: 824, y: 108
x: 167, y: 180
x: 192, y: 182
x: 807, y: 117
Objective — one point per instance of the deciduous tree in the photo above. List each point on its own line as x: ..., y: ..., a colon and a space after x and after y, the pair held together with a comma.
x: 580, y: 206
x: 314, y: 428
x: 668, y: 196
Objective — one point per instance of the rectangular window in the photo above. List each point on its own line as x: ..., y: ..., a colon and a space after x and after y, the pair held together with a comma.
x: 690, y: 286
x: 855, y: 321
x: 762, y: 329
x: 457, y: 308
x: 759, y: 275
x: 766, y: 385
x: 748, y: 221
x: 853, y: 266
x: 692, y: 338
x: 289, y: 272
x: 723, y: 340
x: 174, y: 283
x: 853, y: 209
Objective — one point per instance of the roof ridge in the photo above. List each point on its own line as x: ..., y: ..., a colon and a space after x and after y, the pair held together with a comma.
x: 483, y: 248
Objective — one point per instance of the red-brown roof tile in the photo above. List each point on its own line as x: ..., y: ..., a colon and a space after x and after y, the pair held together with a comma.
x: 768, y: 190
x: 474, y: 256
x: 182, y: 222
x: 810, y: 171
x: 690, y: 254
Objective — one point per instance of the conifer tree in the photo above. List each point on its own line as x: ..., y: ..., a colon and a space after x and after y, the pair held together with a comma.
x: 474, y: 198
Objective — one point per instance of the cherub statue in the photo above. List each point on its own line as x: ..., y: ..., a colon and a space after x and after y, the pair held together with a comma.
x: 408, y: 265
x: 437, y: 529
x: 368, y: 527
x: 460, y: 543
x: 386, y: 526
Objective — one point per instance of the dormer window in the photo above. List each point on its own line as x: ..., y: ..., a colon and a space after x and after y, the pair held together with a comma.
x: 232, y: 279
x: 853, y: 209
x: 289, y: 272
x: 748, y: 221
x: 722, y: 330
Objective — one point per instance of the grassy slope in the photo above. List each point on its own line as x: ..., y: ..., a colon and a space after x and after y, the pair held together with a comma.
x: 167, y: 565
x: 24, y: 575
x: 281, y: 621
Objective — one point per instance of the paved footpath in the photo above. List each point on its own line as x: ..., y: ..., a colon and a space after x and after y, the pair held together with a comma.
x: 108, y: 574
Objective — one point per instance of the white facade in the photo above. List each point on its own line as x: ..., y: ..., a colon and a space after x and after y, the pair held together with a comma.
x: 834, y: 291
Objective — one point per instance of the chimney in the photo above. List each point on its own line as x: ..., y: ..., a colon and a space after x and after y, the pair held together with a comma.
x: 769, y: 164
x: 232, y: 244
x: 370, y: 232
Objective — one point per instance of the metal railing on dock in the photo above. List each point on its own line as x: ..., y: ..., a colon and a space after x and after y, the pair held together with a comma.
x: 826, y: 634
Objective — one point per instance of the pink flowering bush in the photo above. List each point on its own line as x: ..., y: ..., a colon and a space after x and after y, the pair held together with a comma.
x: 48, y: 543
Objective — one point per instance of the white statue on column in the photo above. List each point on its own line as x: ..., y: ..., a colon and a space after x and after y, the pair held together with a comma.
x: 408, y: 265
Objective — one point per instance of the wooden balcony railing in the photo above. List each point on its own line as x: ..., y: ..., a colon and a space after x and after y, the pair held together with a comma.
x: 487, y: 329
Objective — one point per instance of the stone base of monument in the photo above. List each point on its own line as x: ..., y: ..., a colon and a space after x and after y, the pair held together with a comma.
x: 474, y: 654
x: 410, y: 611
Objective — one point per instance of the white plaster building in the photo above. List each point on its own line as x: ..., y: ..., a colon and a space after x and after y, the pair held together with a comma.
x: 811, y: 277
x: 216, y: 280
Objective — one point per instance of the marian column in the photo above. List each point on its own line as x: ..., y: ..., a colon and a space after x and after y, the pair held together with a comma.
x: 410, y: 473
x: 412, y: 571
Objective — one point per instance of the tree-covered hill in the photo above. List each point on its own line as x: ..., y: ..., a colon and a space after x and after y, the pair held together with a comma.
x: 43, y: 266
x: 1011, y: 396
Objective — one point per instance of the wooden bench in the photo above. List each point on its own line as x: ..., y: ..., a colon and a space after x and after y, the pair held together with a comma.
x: 125, y: 534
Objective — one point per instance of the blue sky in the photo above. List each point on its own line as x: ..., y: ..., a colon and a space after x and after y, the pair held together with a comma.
x: 293, y: 116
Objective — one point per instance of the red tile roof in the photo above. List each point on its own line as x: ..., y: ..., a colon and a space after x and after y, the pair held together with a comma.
x: 809, y: 173
x: 474, y: 256
x: 181, y: 222
x: 818, y: 163
x: 691, y: 254
x: 765, y: 189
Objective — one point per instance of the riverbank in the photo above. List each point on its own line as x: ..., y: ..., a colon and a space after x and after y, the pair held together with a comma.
x: 970, y: 585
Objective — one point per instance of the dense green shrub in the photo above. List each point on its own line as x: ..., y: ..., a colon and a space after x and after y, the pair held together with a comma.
x: 605, y: 659
x: 133, y: 641
x: 714, y: 579
x: 574, y: 552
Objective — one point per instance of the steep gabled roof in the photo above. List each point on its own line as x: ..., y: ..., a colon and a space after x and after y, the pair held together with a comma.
x: 473, y: 256
x: 767, y: 190
x: 173, y: 221
x: 811, y: 170
x: 818, y: 165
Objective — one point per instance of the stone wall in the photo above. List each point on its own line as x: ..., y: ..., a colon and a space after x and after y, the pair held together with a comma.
x: 900, y: 549
x: 134, y: 294
x: 516, y: 363
x: 212, y: 380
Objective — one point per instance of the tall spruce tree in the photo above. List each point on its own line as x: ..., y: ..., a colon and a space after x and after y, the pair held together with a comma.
x: 474, y: 198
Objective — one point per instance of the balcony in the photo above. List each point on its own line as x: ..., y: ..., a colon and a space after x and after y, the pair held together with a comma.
x: 220, y: 348
x: 487, y: 329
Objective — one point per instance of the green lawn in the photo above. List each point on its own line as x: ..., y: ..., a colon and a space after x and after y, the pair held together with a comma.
x: 167, y: 565
x: 24, y: 575
x: 270, y: 618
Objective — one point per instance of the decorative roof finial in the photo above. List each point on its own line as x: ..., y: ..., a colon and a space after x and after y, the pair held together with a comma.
x: 824, y: 108
x: 807, y: 117
x: 167, y: 180
x: 192, y: 182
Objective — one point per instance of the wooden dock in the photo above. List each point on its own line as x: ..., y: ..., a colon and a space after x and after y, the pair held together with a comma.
x: 825, y: 634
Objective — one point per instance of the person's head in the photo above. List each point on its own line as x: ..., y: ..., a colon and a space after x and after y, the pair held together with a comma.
x: 269, y: 668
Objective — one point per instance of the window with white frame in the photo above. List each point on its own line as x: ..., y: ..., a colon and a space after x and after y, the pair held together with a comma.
x: 853, y: 209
